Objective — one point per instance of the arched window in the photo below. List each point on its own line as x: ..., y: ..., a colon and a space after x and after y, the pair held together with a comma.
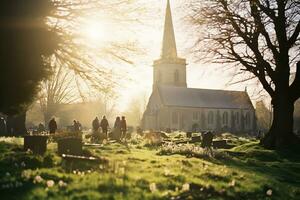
x: 225, y: 118
x: 247, y: 119
x: 210, y: 117
x: 176, y: 76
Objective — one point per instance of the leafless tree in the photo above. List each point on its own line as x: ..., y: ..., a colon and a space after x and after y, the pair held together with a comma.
x: 58, y: 89
x: 77, y: 66
x: 262, y: 38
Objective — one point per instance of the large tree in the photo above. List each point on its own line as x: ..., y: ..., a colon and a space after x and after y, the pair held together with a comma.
x: 34, y: 32
x: 262, y: 38
x: 23, y: 48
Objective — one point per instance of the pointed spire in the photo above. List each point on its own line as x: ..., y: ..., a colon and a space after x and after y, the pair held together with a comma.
x: 169, y: 49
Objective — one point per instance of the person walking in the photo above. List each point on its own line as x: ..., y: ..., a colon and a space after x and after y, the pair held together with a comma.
x: 76, y: 127
x: 96, y: 124
x: 117, y: 129
x: 104, y: 126
x: 52, y: 126
x: 123, y: 126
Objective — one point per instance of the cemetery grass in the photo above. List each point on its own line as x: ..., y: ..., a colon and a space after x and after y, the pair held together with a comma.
x: 139, y: 171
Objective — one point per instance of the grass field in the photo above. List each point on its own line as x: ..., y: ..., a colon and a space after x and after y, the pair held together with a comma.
x: 143, y: 171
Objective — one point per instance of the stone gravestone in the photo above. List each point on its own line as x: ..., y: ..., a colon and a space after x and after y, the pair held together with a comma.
x: 196, y: 139
x: 36, y: 143
x: 188, y: 134
x: 207, y: 140
x: 220, y: 144
x: 69, y: 145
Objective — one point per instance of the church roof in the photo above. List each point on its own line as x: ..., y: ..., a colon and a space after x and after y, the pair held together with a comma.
x: 204, y: 98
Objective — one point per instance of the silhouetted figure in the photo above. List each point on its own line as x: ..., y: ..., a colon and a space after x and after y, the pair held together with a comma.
x: 41, y: 128
x: 52, y: 126
x: 76, y: 126
x: 104, y: 126
x: 79, y: 126
x: 116, y: 134
x: 123, y: 127
x: 117, y: 124
x: 2, y: 126
x: 96, y: 124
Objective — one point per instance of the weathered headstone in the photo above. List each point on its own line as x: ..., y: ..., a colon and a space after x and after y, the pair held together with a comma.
x: 207, y: 139
x: 220, y: 144
x: 36, y: 143
x: 188, y: 134
x: 69, y: 145
x: 196, y: 139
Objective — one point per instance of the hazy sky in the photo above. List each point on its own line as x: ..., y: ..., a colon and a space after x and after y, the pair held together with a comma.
x: 149, y: 36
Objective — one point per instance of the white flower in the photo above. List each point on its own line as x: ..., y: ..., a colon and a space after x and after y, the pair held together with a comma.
x: 186, y: 187
x: 50, y: 183
x: 25, y: 174
x: 37, y: 179
x: 29, y: 151
x: 167, y: 172
x: 269, y: 192
x: 23, y: 164
x: 152, y: 187
x: 232, y: 183
x: 7, y: 174
x: 62, y: 184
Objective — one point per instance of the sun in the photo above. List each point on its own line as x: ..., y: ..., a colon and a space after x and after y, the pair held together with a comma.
x: 94, y: 31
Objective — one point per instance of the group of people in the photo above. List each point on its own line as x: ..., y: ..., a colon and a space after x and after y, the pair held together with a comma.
x: 118, y: 132
x: 76, y: 126
x: 96, y: 124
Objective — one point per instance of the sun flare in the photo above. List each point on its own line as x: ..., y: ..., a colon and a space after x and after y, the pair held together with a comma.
x: 94, y: 32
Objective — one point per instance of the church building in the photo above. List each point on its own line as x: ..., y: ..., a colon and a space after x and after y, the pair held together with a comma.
x: 172, y: 105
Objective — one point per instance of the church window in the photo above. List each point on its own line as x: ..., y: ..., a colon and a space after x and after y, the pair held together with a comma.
x: 210, y: 117
x: 195, y: 116
x: 176, y: 76
x: 225, y: 118
x: 175, y: 118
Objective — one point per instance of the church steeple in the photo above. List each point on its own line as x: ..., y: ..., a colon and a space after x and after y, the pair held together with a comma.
x: 169, y: 49
x: 169, y: 69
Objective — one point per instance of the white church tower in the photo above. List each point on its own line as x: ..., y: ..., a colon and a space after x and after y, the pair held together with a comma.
x: 169, y: 69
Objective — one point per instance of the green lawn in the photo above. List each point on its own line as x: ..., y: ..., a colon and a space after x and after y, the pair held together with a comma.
x: 139, y: 171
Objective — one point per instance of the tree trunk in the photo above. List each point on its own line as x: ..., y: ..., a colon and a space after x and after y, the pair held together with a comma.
x: 281, y: 133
